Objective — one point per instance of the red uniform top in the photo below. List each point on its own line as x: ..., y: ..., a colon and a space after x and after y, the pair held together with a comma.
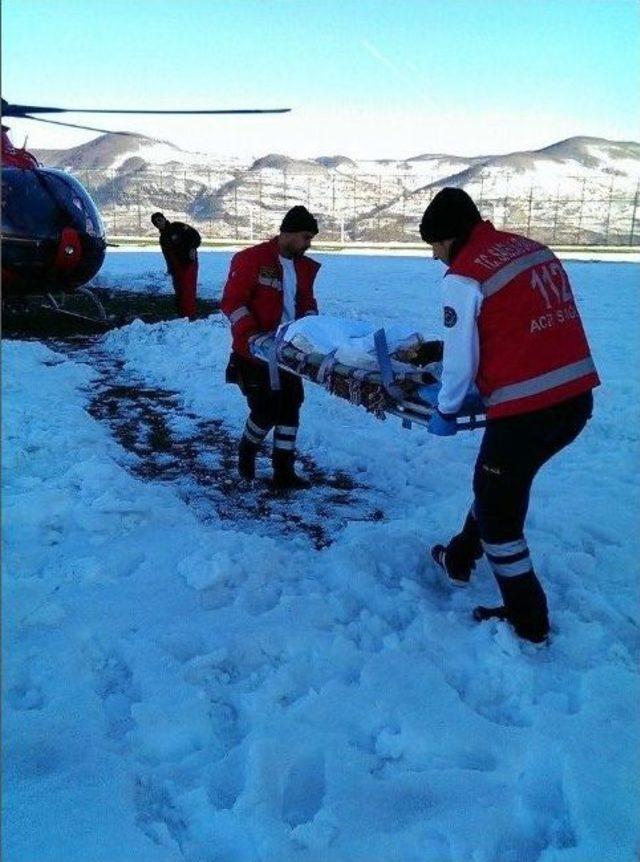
x: 252, y: 297
x: 533, y: 349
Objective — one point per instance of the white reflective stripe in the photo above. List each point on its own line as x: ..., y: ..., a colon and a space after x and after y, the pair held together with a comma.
x: 511, y: 270
x: 286, y: 429
x: 254, y: 438
x: 511, y: 570
x: 505, y: 549
x: 270, y: 282
x: 238, y: 314
x: 325, y: 366
x: 543, y: 382
x: 256, y: 429
x: 284, y: 444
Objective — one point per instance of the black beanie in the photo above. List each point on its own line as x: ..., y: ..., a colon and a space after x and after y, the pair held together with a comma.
x: 298, y: 219
x: 450, y: 215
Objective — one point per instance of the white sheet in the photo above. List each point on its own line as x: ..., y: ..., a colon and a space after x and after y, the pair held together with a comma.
x: 351, y: 339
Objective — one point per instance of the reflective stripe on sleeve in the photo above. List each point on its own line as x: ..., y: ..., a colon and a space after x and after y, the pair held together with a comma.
x: 238, y: 314
x: 542, y: 383
x: 264, y: 281
x: 511, y: 270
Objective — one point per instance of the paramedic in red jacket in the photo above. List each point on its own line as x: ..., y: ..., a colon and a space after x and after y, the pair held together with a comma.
x: 179, y: 243
x: 511, y: 325
x: 270, y: 284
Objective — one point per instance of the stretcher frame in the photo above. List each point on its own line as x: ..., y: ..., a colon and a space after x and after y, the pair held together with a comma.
x: 392, y: 389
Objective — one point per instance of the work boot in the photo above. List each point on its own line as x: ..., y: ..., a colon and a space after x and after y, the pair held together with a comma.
x: 458, y: 559
x: 525, y: 607
x: 247, y: 452
x: 285, y: 477
x: 481, y: 613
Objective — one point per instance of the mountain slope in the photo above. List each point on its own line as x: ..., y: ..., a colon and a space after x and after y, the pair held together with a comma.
x: 576, y: 190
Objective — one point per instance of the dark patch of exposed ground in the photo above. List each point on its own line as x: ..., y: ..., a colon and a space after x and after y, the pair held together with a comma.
x: 197, y: 457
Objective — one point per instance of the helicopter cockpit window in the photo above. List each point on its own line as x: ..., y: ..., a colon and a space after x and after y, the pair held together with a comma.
x: 27, y: 209
x: 73, y: 197
x: 39, y: 203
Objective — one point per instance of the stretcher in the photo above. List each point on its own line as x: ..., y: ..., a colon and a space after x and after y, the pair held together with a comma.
x: 402, y: 383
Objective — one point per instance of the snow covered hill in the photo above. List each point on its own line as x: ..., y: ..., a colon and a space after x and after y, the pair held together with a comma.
x: 582, y: 190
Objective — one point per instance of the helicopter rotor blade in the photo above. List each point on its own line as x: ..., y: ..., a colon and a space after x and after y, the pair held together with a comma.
x: 76, y: 126
x: 9, y: 110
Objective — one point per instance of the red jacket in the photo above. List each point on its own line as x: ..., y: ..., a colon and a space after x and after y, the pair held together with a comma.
x: 533, y: 349
x: 252, y: 297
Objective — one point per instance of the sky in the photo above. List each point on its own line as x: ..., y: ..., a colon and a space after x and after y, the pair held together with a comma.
x: 364, y: 79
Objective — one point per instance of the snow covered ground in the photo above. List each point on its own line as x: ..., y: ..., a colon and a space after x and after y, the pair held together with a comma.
x: 196, y: 674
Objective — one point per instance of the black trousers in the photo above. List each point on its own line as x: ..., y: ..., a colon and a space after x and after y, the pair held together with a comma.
x: 269, y: 408
x: 512, y: 451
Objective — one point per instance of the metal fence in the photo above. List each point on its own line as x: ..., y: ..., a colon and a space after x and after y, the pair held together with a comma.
x: 594, y: 209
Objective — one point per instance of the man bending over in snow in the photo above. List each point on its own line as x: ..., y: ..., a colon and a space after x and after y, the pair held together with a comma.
x: 269, y: 284
x: 511, y: 326
x: 179, y: 243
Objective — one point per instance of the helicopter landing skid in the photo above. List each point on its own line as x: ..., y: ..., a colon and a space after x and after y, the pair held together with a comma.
x: 80, y: 313
x: 59, y: 305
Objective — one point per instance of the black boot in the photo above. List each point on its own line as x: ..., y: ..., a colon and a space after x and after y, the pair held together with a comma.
x: 285, y: 477
x: 247, y: 452
x: 458, y: 558
x: 525, y: 607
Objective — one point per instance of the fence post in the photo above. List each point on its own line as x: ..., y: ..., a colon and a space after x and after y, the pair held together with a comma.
x: 555, y: 214
x: 584, y: 182
x: 333, y: 205
x: 355, y: 209
x: 235, y: 206
x: 209, y: 196
x: 115, y: 210
x: 607, y: 224
x: 505, y: 203
x: 633, y: 215
x: 528, y: 231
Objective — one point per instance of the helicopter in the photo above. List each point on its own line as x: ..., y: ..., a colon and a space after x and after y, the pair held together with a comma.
x: 53, y: 238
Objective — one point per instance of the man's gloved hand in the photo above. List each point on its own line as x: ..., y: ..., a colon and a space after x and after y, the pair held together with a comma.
x: 442, y: 424
x: 429, y: 393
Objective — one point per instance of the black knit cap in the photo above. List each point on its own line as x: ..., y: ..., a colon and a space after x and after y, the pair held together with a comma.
x: 299, y: 219
x: 450, y: 215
